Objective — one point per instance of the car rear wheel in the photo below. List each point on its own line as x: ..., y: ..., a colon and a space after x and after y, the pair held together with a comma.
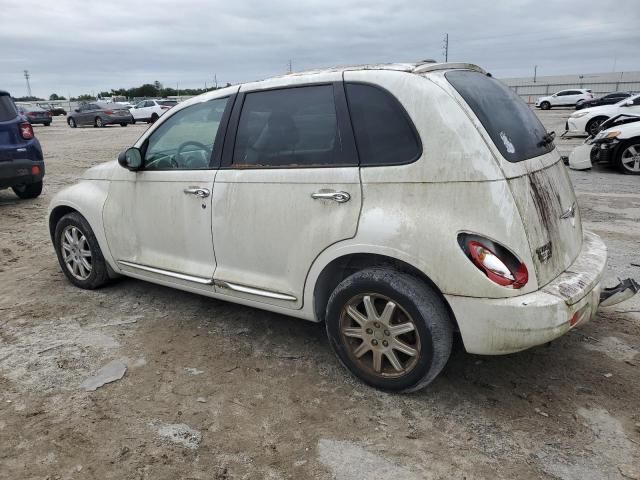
x: 32, y: 190
x: 594, y: 125
x: 72, y: 123
x: 78, y: 252
x: 154, y: 117
x: 628, y: 160
x: 123, y: 124
x: 390, y: 329
x: 98, y: 122
x: 47, y: 124
x: 545, y: 106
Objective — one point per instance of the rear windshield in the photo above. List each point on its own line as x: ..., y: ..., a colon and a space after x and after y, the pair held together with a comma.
x: 511, y: 124
x: 168, y: 103
x: 7, y: 108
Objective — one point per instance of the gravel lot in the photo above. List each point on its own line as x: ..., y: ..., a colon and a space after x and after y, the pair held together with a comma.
x: 219, y: 391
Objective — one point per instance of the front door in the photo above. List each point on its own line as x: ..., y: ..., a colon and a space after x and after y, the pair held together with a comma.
x: 289, y: 188
x: 158, y: 220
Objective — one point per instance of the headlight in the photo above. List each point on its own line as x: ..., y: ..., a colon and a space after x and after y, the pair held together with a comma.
x: 613, y: 134
x: 579, y: 114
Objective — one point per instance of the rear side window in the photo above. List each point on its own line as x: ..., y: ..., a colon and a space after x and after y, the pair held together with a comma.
x: 290, y: 127
x: 511, y: 124
x: 384, y: 134
x: 7, y: 108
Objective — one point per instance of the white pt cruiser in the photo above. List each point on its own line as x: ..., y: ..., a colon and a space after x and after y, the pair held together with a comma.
x: 399, y: 204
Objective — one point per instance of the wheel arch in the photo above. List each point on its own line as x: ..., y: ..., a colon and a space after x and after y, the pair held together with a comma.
x: 340, y: 267
x: 591, y: 120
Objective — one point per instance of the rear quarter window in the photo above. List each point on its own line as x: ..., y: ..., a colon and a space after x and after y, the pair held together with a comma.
x: 7, y: 109
x: 513, y: 127
x: 384, y: 133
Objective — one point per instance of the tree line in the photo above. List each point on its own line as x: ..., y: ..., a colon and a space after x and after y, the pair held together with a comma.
x: 155, y: 89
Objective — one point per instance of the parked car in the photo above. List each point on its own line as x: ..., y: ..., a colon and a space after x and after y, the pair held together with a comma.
x: 54, y: 110
x: 21, y: 160
x: 35, y: 114
x: 564, y: 98
x: 150, y: 110
x: 588, y: 120
x: 99, y: 115
x: 396, y: 203
x: 617, y: 144
x: 609, y: 99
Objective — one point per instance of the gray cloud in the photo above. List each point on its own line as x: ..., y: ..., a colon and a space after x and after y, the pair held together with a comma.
x: 79, y: 46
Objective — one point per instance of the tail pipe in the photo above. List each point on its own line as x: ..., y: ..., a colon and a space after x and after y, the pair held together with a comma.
x: 623, y: 291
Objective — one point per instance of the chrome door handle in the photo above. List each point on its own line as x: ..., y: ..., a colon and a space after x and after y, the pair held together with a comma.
x: 340, y: 197
x: 197, y: 191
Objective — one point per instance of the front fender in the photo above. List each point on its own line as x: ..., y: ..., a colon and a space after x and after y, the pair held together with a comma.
x: 86, y: 197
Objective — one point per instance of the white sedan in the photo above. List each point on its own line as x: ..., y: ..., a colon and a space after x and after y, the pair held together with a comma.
x: 150, y: 110
x: 564, y: 98
x: 589, y: 120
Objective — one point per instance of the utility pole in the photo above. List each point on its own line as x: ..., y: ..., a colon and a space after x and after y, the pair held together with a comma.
x: 290, y: 66
x: 26, y: 76
x: 535, y: 73
x: 445, y: 47
x: 215, y: 80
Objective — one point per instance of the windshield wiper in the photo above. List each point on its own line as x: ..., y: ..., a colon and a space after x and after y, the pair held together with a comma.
x: 547, y: 139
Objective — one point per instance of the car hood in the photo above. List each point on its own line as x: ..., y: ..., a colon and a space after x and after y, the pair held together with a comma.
x: 604, y: 109
x: 104, y: 171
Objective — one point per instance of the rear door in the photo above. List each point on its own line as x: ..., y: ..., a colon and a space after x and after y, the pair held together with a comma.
x: 538, y: 179
x: 288, y: 189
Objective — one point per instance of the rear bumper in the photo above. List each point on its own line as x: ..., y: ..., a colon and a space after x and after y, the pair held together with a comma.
x: 507, y: 325
x: 19, y: 172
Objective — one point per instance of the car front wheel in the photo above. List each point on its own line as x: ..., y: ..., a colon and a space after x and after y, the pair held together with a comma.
x: 72, y: 122
x: 545, y: 105
x: 390, y: 329
x: 628, y: 160
x: 78, y: 252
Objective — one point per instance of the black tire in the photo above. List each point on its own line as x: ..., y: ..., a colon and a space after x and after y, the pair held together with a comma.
x: 99, y: 275
x: 47, y: 124
x: 594, y: 155
x: 31, y: 190
x: 98, y: 122
x: 545, y: 106
x: 72, y: 122
x: 416, y: 302
x: 594, y: 125
x: 154, y: 118
x: 123, y: 124
x: 133, y: 122
x: 629, y: 169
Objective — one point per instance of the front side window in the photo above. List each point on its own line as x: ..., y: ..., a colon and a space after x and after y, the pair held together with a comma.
x: 384, y: 134
x: 513, y: 127
x: 289, y: 127
x: 185, y: 141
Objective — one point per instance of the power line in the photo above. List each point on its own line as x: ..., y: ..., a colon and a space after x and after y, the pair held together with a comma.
x: 26, y: 76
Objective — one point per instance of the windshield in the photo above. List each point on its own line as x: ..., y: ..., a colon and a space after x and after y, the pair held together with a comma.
x: 513, y: 127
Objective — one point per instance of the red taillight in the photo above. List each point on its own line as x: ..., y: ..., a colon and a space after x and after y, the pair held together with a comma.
x: 109, y: 112
x: 495, y: 268
x: 33, y: 114
x: 26, y: 131
x: 35, y: 170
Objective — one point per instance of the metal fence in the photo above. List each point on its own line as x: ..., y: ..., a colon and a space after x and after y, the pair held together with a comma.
x: 529, y: 91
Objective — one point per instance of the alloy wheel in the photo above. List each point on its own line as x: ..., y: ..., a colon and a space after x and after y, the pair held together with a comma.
x: 76, y: 252
x: 631, y: 158
x: 380, y: 336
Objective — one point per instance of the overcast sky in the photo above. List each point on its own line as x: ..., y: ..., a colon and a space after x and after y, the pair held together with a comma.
x: 85, y: 46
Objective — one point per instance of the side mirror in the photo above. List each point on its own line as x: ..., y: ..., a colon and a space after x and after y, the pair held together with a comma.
x: 554, y: 95
x: 131, y: 159
x: 76, y: 110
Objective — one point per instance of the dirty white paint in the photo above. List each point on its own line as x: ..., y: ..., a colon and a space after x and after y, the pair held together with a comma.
x: 179, y: 433
x: 270, y: 235
x: 349, y: 461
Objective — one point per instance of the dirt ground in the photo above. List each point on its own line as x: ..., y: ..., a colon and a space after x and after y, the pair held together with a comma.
x: 219, y: 391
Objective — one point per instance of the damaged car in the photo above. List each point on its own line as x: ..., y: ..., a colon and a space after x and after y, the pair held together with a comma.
x: 398, y: 204
x: 617, y: 144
